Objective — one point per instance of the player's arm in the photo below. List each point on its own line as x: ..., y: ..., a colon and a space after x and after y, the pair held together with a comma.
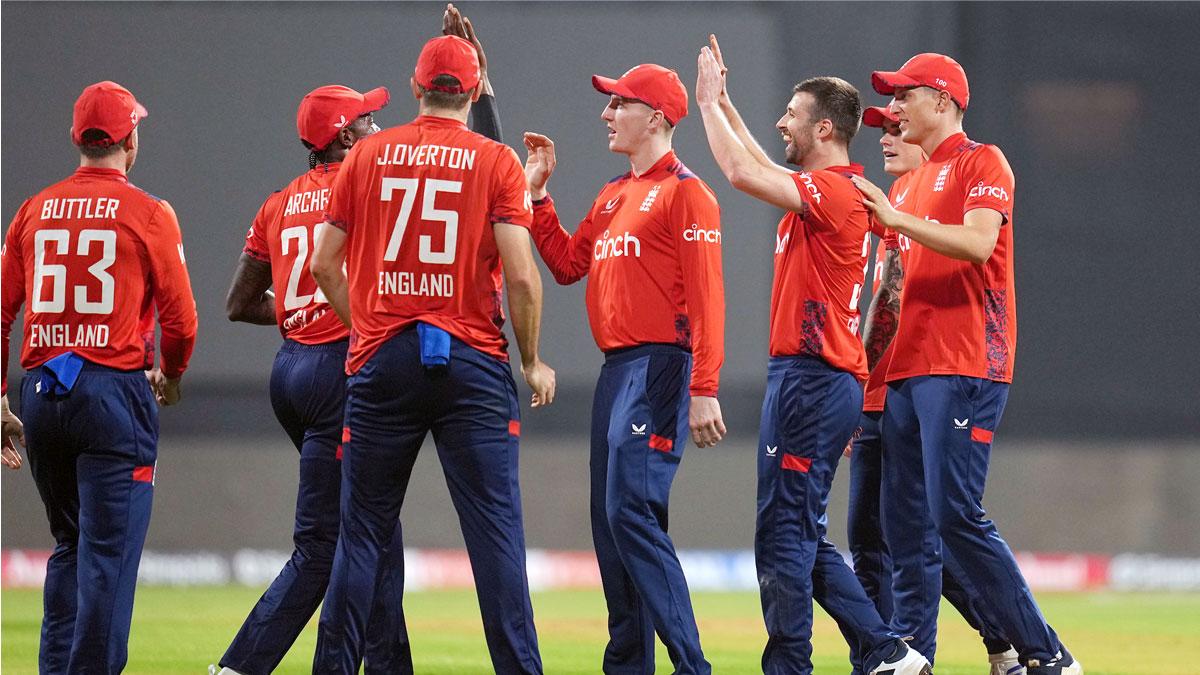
x: 704, y: 293
x: 485, y: 116
x: 568, y: 256
x: 768, y: 181
x: 973, y: 240
x: 524, y: 286
x: 250, y: 298
x: 12, y: 296
x: 731, y: 113
x: 173, y: 300
x: 328, y: 268
x: 883, y: 316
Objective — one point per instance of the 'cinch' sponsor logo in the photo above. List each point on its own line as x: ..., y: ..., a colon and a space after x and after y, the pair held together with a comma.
x: 618, y: 246
x: 981, y: 190
x: 696, y: 233
x: 806, y: 178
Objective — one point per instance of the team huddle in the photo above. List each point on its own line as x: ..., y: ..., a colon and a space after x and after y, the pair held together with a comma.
x: 385, y: 268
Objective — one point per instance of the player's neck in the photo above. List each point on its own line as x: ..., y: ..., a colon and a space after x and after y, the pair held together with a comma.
x: 457, y: 115
x: 648, y: 154
x: 826, y: 155
x: 939, y: 136
x: 116, y: 162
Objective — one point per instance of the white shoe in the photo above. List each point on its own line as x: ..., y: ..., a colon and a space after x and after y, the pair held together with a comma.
x: 1005, y: 663
x: 1063, y: 664
x: 907, y: 662
x: 212, y: 670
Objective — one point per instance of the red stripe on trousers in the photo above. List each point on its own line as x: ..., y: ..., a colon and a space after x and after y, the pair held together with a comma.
x: 661, y: 444
x: 981, y: 435
x: 144, y: 474
x: 514, y: 428
x: 796, y: 463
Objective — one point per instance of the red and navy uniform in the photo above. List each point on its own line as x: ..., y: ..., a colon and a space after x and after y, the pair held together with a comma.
x: 948, y: 382
x: 811, y: 408
x: 418, y: 203
x: 865, y: 530
x: 650, y: 247
x: 308, y: 395
x: 94, y: 259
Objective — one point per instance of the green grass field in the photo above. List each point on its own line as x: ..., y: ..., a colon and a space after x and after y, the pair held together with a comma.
x: 183, y: 630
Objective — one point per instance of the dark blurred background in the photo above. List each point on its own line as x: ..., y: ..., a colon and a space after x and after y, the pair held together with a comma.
x: 1093, y: 104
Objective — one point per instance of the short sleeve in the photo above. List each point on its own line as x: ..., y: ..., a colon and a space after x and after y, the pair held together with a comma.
x: 256, y: 239
x: 827, y: 199
x: 341, y: 210
x: 988, y: 181
x: 511, y: 202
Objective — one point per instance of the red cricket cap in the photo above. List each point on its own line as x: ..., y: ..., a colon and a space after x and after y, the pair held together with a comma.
x: 875, y: 116
x: 652, y: 84
x: 926, y: 70
x: 109, y: 107
x: 448, y: 55
x: 325, y: 110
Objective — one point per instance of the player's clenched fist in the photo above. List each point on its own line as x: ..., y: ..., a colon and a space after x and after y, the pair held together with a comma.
x: 539, y: 163
x: 540, y: 378
x: 14, y: 433
x: 166, y: 390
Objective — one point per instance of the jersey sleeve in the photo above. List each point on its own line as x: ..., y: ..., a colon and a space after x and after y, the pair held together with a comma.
x: 256, y: 239
x: 12, y: 268
x: 510, y: 201
x: 827, y: 198
x: 988, y: 181
x: 697, y: 217
x: 569, y: 256
x: 891, y: 240
x: 341, y: 212
x: 172, y: 290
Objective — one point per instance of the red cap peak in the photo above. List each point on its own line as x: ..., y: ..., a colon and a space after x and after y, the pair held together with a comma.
x: 876, y: 116
x: 652, y: 84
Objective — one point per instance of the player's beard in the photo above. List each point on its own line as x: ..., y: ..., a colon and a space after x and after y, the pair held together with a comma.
x: 799, y: 148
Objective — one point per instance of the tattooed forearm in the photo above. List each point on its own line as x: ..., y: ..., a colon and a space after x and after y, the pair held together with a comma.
x: 883, y: 317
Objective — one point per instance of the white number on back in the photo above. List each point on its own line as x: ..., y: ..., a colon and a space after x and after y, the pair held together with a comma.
x: 291, y: 297
x: 57, y: 273
x: 409, y: 187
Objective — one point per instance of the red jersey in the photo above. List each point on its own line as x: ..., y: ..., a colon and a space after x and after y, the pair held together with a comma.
x: 93, y: 258
x: 820, y: 267
x: 957, y: 317
x: 418, y: 202
x: 282, y: 237
x: 875, y: 392
x: 651, y: 248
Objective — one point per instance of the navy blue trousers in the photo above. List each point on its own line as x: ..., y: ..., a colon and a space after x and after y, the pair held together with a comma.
x: 937, y: 433
x: 808, y: 415
x: 92, y: 453
x: 639, y: 430
x: 471, y: 408
x: 868, y: 546
x: 308, y: 393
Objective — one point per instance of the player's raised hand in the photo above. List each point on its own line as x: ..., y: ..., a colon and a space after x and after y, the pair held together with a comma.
x: 540, y: 161
x: 710, y: 81
x: 454, y: 23
x: 14, y: 436
x: 716, y: 50
x: 876, y: 201
x: 705, y: 421
x: 540, y: 378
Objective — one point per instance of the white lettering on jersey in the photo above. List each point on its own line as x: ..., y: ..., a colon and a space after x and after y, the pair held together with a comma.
x: 402, y: 154
x: 307, y: 202
x: 806, y: 178
x: 981, y: 190
x: 409, y: 283
x: 67, y: 335
x: 615, y: 247
x: 649, y: 200
x: 67, y: 208
x: 694, y: 233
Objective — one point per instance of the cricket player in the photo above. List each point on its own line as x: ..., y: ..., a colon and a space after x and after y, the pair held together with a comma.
x: 309, y: 381
x: 424, y: 216
x: 94, y: 260
x: 952, y: 362
x: 867, y: 544
x: 650, y: 247
x: 813, y: 396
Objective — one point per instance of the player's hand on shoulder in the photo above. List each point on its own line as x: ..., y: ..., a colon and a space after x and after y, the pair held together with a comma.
x: 14, y: 436
x: 540, y: 161
x: 540, y: 378
x: 876, y: 201
x: 705, y: 421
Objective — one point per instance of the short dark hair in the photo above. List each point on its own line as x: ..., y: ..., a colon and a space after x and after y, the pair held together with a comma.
x: 444, y: 99
x: 836, y: 100
x: 97, y: 145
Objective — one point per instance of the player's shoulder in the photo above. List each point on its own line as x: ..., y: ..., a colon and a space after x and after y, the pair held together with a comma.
x: 974, y: 153
x: 690, y: 186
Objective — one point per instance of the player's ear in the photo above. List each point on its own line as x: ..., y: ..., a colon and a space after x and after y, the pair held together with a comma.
x: 476, y: 92
x: 415, y: 89
x: 345, y: 137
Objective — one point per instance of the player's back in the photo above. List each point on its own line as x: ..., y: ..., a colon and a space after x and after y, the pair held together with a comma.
x: 418, y: 203
x: 283, y: 236
x: 87, y: 247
